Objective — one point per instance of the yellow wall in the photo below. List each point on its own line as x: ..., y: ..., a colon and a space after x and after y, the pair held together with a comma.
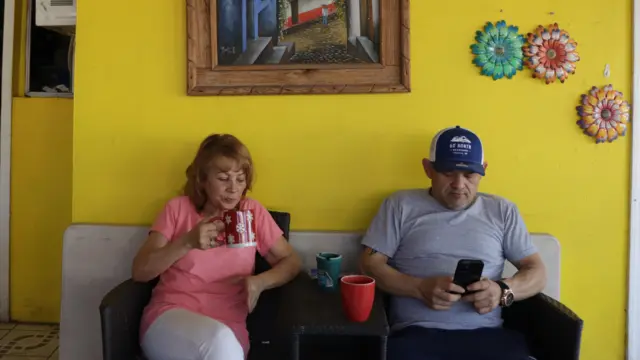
x: 41, y: 159
x: 40, y: 204
x: 329, y: 160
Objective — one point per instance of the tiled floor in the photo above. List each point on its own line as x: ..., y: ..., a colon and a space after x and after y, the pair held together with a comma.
x: 28, y: 342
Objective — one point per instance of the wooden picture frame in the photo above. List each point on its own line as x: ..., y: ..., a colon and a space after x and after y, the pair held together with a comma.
x: 207, y: 77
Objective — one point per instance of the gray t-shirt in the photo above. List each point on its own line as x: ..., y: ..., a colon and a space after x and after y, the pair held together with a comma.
x: 422, y: 238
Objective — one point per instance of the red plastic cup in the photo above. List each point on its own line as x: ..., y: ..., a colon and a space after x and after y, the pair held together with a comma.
x: 358, y: 292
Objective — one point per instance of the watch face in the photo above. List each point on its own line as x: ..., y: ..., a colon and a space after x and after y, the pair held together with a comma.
x: 508, y: 300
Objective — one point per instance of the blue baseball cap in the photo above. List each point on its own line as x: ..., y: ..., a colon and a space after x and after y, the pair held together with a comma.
x: 456, y: 148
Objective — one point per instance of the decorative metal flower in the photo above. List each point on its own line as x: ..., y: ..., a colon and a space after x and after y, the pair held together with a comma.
x: 551, y: 53
x: 498, y: 50
x: 603, y: 114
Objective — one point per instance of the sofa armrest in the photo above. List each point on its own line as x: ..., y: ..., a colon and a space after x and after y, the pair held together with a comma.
x: 268, y: 342
x: 260, y: 322
x: 120, y: 313
x: 552, y: 330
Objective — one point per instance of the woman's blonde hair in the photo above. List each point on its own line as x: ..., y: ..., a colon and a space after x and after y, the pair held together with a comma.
x: 212, y: 148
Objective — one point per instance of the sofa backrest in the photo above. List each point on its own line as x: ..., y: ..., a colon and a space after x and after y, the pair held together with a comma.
x: 308, y: 244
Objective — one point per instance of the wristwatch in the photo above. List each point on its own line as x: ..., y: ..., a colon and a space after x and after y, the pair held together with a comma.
x: 506, y: 299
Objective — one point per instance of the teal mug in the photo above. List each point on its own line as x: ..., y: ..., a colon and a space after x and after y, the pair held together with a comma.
x: 329, y: 266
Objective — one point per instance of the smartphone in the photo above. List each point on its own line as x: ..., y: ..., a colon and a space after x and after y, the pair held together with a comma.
x: 468, y: 271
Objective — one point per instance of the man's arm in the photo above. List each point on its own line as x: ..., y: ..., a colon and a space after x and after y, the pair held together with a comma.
x: 518, y: 248
x: 530, y: 279
x: 381, y: 242
x: 387, y: 278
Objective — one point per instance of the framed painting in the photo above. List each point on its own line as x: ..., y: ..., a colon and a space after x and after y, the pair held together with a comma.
x: 271, y: 47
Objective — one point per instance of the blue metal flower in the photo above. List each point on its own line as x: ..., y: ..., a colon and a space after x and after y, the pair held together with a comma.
x: 498, y: 50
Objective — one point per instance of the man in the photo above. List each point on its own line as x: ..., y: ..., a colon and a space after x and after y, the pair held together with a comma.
x: 412, y: 248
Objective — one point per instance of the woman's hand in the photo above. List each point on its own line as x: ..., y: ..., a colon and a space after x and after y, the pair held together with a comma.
x: 204, y: 235
x: 254, y: 288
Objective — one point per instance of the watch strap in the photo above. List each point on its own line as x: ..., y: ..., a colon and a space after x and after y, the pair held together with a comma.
x: 503, y: 285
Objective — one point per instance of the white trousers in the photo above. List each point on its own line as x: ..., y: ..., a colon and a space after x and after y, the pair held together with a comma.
x: 180, y: 334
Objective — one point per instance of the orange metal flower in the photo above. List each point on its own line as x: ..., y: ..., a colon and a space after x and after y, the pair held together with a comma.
x: 551, y: 53
x: 603, y: 114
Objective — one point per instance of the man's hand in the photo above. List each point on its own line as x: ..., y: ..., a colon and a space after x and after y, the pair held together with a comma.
x: 439, y: 293
x: 486, y: 296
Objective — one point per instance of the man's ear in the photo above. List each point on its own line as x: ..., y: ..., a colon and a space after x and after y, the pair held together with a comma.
x: 428, y: 168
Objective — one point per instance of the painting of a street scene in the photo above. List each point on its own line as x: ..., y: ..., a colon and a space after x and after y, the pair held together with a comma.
x: 275, y: 32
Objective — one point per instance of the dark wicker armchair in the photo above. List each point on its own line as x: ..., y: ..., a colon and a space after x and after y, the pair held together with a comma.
x: 552, y: 330
x: 121, y: 310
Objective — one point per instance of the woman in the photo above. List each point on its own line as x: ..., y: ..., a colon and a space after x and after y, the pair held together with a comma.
x: 205, y: 291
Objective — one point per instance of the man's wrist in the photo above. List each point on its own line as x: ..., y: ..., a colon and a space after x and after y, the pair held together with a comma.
x: 415, y: 288
x: 497, y: 287
x: 509, y: 282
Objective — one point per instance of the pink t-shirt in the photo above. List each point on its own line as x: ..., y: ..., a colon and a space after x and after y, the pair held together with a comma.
x: 205, y: 281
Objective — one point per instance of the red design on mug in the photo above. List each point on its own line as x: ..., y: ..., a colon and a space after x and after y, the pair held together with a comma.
x: 240, y: 228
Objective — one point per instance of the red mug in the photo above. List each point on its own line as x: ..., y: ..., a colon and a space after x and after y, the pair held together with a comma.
x: 240, y: 228
x: 358, y: 292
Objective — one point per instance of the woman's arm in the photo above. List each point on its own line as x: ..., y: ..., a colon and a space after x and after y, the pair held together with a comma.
x: 156, y: 255
x: 285, y: 264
